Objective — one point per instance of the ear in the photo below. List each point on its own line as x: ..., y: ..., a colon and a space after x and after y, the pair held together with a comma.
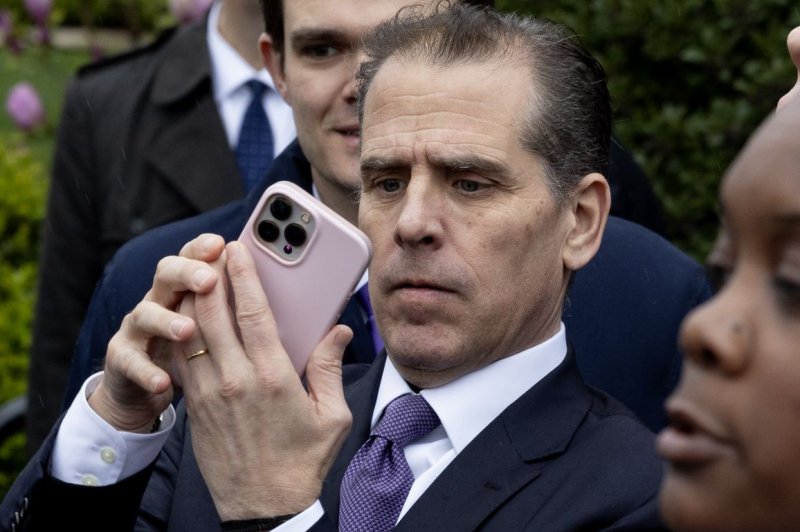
x: 589, y: 206
x: 273, y: 62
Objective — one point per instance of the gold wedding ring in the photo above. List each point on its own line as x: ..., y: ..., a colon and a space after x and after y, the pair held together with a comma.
x: 198, y: 353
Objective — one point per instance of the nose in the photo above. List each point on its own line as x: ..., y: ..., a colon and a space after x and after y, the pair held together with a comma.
x: 719, y: 334
x: 353, y: 63
x: 419, y: 224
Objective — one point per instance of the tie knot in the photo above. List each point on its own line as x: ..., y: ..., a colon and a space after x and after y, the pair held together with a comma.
x: 256, y: 87
x: 406, y: 419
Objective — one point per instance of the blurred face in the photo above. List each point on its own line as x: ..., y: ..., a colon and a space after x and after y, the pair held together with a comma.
x: 322, y: 53
x: 468, y: 242
x: 734, y: 439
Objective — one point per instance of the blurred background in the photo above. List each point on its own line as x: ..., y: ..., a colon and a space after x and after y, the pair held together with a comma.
x: 690, y: 80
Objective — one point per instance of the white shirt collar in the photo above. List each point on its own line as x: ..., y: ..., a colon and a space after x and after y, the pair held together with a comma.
x: 229, y: 71
x: 467, y: 405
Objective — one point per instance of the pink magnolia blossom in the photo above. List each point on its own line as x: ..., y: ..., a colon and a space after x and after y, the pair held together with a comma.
x: 6, y: 24
x: 7, y: 36
x: 186, y: 11
x: 39, y: 10
x: 25, y: 107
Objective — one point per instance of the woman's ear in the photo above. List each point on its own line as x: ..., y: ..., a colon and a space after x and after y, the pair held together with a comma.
x: 589, y: 204
x: 273, y: 62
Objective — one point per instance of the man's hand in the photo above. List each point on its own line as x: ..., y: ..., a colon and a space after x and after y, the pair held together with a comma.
x: 793, y: 44
x: 137, y: 385
x: 263, y: 443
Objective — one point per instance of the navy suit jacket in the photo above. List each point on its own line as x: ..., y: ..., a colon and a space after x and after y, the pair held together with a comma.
x: 561, y: 457
x: 622, y: 313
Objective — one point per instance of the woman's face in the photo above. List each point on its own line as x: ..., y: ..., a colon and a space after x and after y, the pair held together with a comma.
x: 733, y: 444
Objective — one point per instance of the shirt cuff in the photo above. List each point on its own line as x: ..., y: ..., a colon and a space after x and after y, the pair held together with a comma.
x: 89, y: 451
x: 304, y: 520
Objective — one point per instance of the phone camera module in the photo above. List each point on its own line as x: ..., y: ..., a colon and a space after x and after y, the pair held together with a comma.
x: 295, y: 235
x: 280, y: 209
x: 268, y: 231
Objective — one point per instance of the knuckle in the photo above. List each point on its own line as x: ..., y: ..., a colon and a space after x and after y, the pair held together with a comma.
x: 250, y: 312
x: 232, y: 387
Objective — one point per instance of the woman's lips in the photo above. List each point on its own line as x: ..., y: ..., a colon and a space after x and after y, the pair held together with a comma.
x: 690, y: 442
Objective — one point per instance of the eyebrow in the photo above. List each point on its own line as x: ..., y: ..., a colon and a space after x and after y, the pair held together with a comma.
x: 304, y: 36
x: 481, y: 165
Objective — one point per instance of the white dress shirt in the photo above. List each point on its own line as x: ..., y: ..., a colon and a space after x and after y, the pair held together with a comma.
x: 229, y: 75
x: 465, y: 407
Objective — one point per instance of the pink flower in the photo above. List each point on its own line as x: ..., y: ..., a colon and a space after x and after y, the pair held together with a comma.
x: 39, y: 10
x: 186, y: 11
x: 7, y: 36
x: 6, y: 24
x: 25, y: 107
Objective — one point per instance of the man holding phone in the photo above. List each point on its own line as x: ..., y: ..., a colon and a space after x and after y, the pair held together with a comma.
x: 461, y: 192
x: 623, y: 310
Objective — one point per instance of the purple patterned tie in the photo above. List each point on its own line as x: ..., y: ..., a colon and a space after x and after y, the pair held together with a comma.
x: 378, y: 479
x: 254, y: 151
x: 377, y: 341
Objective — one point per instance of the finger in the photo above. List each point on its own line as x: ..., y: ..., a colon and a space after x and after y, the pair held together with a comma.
x: 324, y: 369
x: 150, y: 320
x: 127, y: 363
x: 206, y: 247
x: 192, y: 358
x: 254, y: 317
x: 177, y: 275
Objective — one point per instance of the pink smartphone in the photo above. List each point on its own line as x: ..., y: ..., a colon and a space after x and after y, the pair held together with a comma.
x: 309, y: 259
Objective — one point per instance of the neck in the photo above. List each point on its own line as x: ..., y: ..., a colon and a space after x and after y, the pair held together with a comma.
x: 241, y: 24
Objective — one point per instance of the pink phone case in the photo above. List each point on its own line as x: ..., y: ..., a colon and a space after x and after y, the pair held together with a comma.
x: 308, y: 287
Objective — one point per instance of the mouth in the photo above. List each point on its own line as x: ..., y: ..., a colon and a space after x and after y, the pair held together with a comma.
x: 420, y: 285
x: 349, y: 131
x: 691, y: 440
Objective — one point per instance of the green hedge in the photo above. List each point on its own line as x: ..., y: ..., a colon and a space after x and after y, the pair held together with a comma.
x: 22, y: 199
x: 690, y: 80
x: 134, y: 15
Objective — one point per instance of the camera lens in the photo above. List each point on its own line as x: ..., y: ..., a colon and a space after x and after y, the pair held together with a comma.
x: 268, y: 231
x: 280, y: 209
x: 295, y: 235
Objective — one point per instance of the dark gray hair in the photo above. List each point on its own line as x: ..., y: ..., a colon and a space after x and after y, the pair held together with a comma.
x: 569, y: 113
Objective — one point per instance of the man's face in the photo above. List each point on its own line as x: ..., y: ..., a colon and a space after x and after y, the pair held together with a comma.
x: 467, y: 239
x: 322, y: 52
x: 733, y: 442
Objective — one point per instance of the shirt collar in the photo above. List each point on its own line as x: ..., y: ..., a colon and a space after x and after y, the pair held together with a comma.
x: 467, y: 405
x: 229, y: 70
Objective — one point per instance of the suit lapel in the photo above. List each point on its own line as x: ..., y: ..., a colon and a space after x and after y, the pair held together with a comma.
x: 507, y: 456
x: 202, y: 169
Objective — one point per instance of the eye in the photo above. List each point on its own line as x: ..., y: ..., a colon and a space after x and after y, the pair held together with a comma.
x: 320, y: 51
x: 787, y: 290
x: 469, y: 186
x: 390, y: 185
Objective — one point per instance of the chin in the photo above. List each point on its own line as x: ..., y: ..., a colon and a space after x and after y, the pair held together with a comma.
x: 423, y: 364
x: 689, y: 507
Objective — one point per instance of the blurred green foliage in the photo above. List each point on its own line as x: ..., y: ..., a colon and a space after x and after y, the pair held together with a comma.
x: 22, y: 200
x: 690, y: 80
x: 132, y: 15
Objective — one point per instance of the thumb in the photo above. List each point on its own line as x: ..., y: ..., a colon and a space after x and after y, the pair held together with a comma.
x: 324, y: 369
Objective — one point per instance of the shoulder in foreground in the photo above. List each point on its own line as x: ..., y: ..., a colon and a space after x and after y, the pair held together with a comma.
x: 126, y: 59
